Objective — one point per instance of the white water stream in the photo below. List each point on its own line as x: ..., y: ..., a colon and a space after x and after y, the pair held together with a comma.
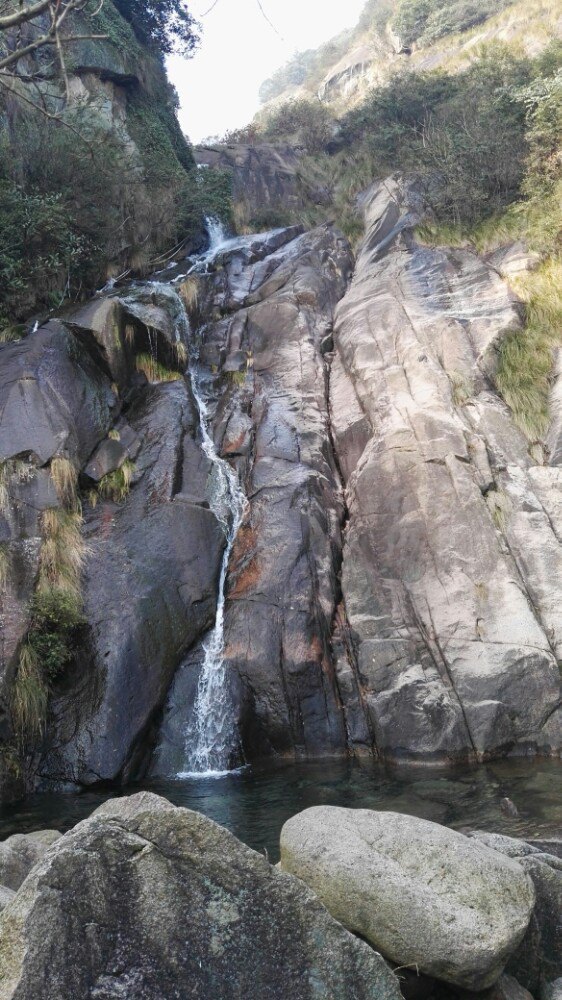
x: 211, y: 735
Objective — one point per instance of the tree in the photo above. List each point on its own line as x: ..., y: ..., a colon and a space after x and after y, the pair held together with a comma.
x: 165, y: 24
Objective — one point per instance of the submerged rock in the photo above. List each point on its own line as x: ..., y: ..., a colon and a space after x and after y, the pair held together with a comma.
x: 146, y: 900
x: 426, y: 896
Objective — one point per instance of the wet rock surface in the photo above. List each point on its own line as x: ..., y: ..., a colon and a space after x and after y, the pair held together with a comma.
x: 283, y: 586
x: 145, y: 900
x: 149, y: 591
x: 421, y: 894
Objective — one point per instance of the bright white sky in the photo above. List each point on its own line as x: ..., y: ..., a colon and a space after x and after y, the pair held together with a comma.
x: 218, y: 88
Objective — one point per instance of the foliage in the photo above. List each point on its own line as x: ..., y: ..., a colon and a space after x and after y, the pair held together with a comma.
x: 56, y: 624
x: 304, y: 122
x: 154, y: 370
x: 424, y: 21
x: 525, y: 356
x: 167, y: 25
x: 465, y: 131
x: 62, y: 552
x: 292, y: 74
x: 65, y: 479
x: 4, y: 564
x: 29, y: 697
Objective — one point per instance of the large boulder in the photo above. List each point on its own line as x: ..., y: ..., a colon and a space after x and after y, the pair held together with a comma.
x: 146, y: 900
x: 424, y: 895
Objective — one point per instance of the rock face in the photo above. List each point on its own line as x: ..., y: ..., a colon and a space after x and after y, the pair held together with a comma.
x: 266, y: 184
x: 452, y: 560
x: 145, y: 900
x: 149, y: 590
x: 423, y: 895
x: 279, y: 293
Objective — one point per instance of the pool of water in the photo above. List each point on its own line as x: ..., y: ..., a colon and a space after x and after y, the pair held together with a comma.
x: 255, y: 802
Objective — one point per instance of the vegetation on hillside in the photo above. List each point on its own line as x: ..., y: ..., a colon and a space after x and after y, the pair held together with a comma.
x: 424, y: 21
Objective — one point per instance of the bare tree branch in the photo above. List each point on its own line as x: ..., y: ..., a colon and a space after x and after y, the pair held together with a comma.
x: 49, y: 35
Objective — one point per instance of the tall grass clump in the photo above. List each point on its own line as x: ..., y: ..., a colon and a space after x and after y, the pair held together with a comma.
x: 29, y: 697
x: 63, y: 551
x: 525, y: 364
x: 65, y: 479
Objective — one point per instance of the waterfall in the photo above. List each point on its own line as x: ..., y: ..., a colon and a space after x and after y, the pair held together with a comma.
x: 211, y: 738
x: 217, y: 234
x: 211, y: 734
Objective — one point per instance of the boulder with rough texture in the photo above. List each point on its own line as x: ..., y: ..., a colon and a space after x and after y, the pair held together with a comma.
x: 20, y: 852
x: 423, y: 895
x: 145, y: 900
x: 6, y: 896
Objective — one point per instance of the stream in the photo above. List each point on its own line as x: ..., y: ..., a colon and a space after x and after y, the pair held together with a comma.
x: 254, y: 802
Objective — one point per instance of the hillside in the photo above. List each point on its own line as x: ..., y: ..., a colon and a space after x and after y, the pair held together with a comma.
x: 343, y: 71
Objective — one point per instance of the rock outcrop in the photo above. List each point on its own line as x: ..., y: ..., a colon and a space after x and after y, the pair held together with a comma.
x: 279, y: 293
x: 425, y: 896
x: 268, y: 189
x: 145, y: 900
x: 452, y: 560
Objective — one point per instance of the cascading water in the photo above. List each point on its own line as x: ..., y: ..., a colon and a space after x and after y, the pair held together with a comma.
x: 211, y: 734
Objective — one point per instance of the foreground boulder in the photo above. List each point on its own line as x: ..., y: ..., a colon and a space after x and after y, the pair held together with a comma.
x: 145, y: 900
x: 424, y: 895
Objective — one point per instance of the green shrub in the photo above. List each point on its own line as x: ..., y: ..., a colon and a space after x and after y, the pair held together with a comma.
x: 305, y: 123
x: 117, y: 484
x: 56, y: 626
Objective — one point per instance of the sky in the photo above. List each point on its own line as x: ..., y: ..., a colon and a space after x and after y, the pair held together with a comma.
x: 218, y: 87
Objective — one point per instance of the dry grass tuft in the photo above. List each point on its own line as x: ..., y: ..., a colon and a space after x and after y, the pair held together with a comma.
x: 189, y: 292
x: 29, y: 696
x: 63, y: 551
x: 4, y: 565
x: 65, y: 479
